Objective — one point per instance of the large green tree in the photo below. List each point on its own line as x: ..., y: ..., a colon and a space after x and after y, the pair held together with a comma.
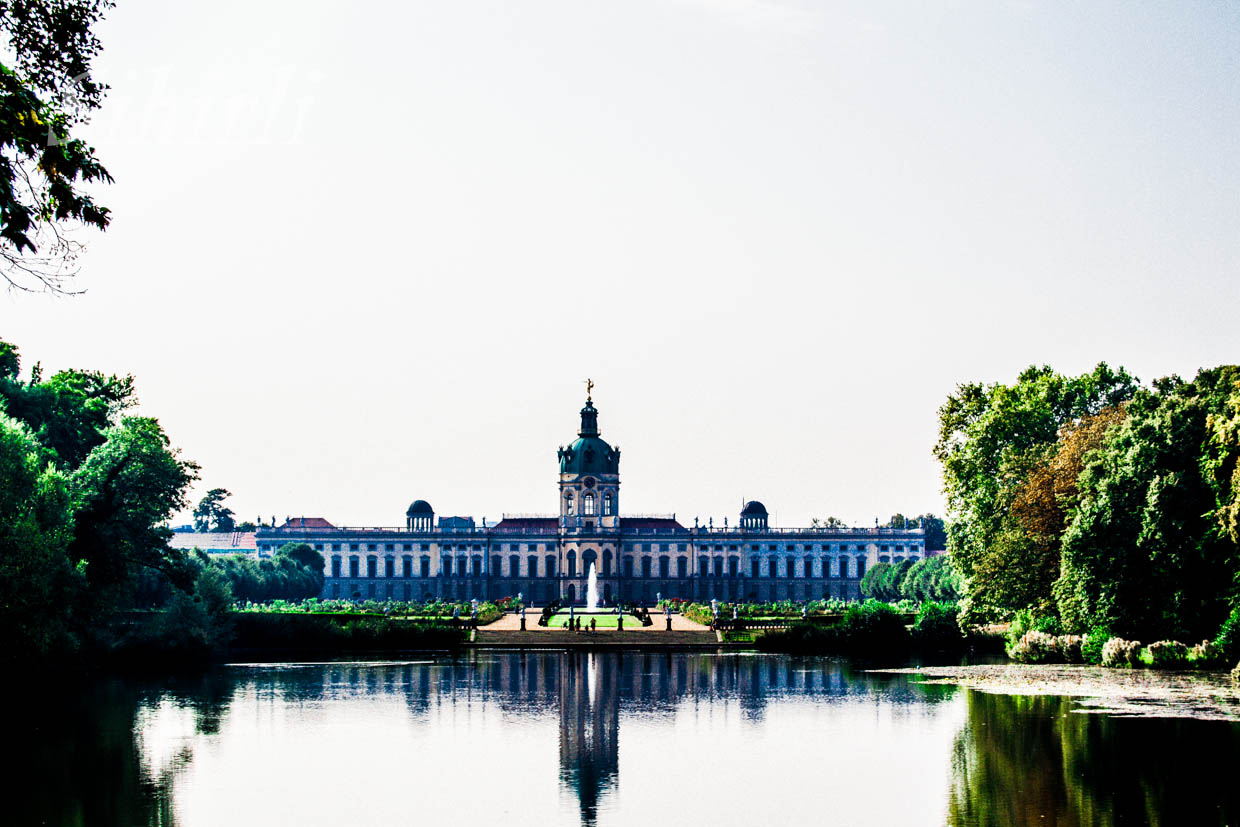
x: 1145, y: 554
x: 123, y: 495
x: 991, y: 437
x: 38, y: 585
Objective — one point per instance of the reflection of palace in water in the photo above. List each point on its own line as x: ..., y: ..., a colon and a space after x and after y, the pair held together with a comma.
x: 588, y: 692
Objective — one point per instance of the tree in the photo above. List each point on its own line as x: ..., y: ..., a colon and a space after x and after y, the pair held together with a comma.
x: 123, y: 495
x: 46, y: 93
x: 829, y: 522
x: 990, y: 438
x: 37, y: 585
x: 1143, y: 554
x: 211, y: 513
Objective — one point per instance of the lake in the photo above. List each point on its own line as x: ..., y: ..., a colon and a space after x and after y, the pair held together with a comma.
x: 570, y: 738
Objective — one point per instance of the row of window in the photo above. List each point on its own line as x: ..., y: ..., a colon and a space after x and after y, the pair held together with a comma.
x: 635, y: 547
x: 707, y: 566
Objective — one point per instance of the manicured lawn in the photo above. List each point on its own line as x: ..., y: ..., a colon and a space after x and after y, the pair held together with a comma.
x: 604, y: 621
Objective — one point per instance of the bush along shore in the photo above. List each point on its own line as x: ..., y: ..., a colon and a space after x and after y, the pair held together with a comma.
x: 1040, y: 640
x: 876, y: 629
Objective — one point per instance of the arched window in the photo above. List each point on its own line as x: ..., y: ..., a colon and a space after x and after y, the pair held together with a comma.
x: 550, y: 565
x: 703, y: 566
x: 755, y: 567
x: 607, y: 505
x: 335, y: 567
x: 587, y: 505
x: 372, y: 567
x: 682, y: 566
x: 809, y: 567
x: 572, y: 564
x: 407, y: 564
x: 607, y: 562
x: 771, y: 570
x: 514, y: 566
x: 665, y: 566
x: 860, y: 567
x: 645, y: 567
x: 446, y: 563
x: 389, y: 567
x: 477, y: 561
x: 734, y: 566
x: 791, y: 566
x: 568, y: 503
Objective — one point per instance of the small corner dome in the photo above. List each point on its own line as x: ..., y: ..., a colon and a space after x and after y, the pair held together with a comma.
x: 753, y: 508
x: 419, y: 507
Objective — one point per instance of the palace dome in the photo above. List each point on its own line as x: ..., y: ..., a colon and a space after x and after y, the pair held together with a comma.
x: 419, y: 507
x: 753, y: 508
x: 589, y: 454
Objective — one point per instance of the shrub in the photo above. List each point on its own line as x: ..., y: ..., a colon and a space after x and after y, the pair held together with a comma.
x: 1068, y: 648
x: 1228, y: 638
x: 1120, y: 652
x: 1091, y: 647
x: 936, y: 626
x: 1164, y: 653
x: 1205, y: 655
x: 1033, y: 647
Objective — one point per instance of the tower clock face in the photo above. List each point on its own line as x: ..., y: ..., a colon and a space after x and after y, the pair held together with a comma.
x: 588, y: 482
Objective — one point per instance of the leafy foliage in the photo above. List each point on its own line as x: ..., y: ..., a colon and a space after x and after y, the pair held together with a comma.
x: 990, y: 439
x: 212, y: 515
x: 294, y: 572
x: 46, y: 92
x: 931, y: 578
x: 1143, y: 553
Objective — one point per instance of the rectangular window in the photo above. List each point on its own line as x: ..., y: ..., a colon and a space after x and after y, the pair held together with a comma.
x: 353, y: 567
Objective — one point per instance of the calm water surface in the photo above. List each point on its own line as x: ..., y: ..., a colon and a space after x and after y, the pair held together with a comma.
x: 607, y: 739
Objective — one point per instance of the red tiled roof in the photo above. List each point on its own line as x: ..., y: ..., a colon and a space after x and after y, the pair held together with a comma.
x: 306, y: 522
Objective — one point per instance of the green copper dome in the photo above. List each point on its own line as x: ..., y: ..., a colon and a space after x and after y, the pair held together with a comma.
x: 589, y: 454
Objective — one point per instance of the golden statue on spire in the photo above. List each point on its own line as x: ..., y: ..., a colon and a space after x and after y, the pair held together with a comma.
x: 589, y: 389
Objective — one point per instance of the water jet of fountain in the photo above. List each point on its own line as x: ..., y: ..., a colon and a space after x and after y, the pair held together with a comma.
x: 592, y: 589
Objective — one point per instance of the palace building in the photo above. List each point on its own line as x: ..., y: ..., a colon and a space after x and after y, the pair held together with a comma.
x: 636, y: 558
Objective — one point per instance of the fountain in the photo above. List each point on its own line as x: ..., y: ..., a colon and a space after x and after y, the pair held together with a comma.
x: 592, y: 589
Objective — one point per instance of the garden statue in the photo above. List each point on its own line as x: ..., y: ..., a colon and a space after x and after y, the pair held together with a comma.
x: 658, y: 596
x: 804, y: 611
x: 734, y: 613
x: 456, y: 613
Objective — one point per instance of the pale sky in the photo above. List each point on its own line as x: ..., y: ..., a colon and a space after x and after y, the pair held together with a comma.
x: 368, y: 252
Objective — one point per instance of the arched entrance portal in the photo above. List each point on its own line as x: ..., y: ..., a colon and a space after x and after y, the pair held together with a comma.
x: 570, y: 594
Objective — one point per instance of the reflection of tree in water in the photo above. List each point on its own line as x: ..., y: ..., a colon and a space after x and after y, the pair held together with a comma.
x: 1032, y: 760
x: 78, y: 761
x: 589, y: 728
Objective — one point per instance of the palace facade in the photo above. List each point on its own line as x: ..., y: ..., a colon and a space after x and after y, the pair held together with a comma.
x: 636, y: 558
